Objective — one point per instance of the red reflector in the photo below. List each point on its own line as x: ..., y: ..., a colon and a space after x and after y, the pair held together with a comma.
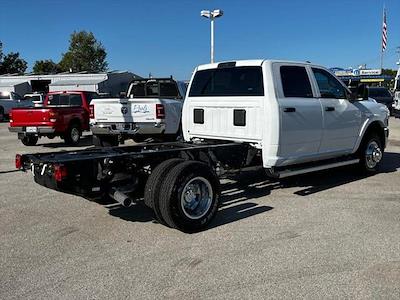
x: 160, y: 111
x: 91, y: 110
x: 18, y: 161
x: 60, y: 172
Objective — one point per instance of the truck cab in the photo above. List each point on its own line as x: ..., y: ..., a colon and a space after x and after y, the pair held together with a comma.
x: 294, y: 112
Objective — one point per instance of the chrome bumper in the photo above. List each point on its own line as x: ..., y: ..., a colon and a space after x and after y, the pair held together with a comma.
x: 39, y: 130
x: 127, y: 128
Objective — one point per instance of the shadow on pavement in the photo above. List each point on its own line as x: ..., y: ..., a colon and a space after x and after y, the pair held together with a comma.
x: 84, y: 142
x: 9, y: 171
x: 236, y: 194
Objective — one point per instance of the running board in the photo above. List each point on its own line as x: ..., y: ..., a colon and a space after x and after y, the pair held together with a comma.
x: 288, y: 173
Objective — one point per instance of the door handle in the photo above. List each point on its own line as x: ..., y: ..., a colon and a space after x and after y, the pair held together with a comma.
x: 329, y: 108
x: 289, y: 109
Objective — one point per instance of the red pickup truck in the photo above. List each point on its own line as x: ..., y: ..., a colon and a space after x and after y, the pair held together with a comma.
x: 64, y: 114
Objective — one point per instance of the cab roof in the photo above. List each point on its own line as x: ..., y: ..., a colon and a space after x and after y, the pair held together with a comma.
x: 247, y: 63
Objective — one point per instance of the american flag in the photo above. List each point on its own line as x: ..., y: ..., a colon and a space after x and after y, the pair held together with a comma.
x: 384, y: 32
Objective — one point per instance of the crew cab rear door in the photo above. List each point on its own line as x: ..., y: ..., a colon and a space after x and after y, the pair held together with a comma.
x: 300, y: 113
x: 342, y: 118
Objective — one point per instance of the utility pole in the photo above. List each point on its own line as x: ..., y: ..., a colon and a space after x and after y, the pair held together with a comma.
x: 212, y: 15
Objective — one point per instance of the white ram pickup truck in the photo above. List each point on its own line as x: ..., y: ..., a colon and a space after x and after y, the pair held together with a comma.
x: 294, y: 112
x: 288, y: 118
x: 152, y: 109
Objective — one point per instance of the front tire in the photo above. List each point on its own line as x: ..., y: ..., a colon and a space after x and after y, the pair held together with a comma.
x: 370, y: 153
x: 30, y: 140
x: 189, y: 196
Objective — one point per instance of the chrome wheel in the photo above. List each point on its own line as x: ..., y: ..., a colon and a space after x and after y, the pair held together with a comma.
x: 373, y: 154
x: 196, y: 198
x: 75, y: 134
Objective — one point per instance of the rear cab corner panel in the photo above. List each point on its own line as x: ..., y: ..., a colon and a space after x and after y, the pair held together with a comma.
x: 231, y: 116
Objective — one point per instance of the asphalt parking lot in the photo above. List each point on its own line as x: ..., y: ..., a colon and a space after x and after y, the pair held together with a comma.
x: 333, y: 234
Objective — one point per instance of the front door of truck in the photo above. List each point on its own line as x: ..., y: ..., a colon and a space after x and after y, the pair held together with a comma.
x: 342, y: 119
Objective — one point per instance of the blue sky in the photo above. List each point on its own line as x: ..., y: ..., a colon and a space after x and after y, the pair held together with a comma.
x: 167, y: 37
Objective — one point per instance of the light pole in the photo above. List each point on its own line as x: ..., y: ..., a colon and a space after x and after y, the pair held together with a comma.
x: 212, y: 15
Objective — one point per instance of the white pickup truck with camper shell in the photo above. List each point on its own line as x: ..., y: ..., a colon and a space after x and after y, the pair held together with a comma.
x: 152, y: 109
x: 288, y: 118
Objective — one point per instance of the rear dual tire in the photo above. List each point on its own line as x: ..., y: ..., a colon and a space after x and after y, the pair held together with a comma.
x: 187, y: 196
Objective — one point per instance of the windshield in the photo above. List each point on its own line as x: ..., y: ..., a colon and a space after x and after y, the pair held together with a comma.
x: 236, y: 81
x: 378, y: 92
x: 154, y: 89
x: 32, y: 98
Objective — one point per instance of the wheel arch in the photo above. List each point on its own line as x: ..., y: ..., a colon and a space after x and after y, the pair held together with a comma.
x: 373, y: 127
x: 75, y: 120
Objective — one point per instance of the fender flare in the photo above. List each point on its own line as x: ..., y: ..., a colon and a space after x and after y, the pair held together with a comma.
x: 368, y: 126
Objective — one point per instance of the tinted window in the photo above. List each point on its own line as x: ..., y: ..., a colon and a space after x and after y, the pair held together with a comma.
x: 54, y: 99
x: 152, y: 89
x: 236, y: 81
x: 295, y: 82
x: 32, y: 98
x: 64, y: 99
x: 168, y: 89
x: 138, y: 90
x: 75, y: 100
x: 328, y: 85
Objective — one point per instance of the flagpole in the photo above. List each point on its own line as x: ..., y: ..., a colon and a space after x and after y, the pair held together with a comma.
x: 382, y: 50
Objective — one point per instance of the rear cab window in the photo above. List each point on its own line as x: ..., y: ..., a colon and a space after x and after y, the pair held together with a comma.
x: 228, y: 81
x: 72, y: 99
x: 154, y: 88
x: 295, y: 82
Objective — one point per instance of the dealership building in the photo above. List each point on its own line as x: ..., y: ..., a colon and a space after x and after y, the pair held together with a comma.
x: 110, y: 83
x: 354, y: 77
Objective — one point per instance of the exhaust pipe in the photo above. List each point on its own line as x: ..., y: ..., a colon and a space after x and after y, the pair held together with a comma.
x: 120, y: 197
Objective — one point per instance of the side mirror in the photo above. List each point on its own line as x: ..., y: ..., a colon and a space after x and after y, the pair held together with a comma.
x: 353, y: 96
x: 122, y: 94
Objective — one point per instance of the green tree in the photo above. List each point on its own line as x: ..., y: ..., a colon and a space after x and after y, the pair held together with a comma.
x: 389, y: 72
x: 46, y: 67
x: 12, y: 63
x: 85, y: 53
